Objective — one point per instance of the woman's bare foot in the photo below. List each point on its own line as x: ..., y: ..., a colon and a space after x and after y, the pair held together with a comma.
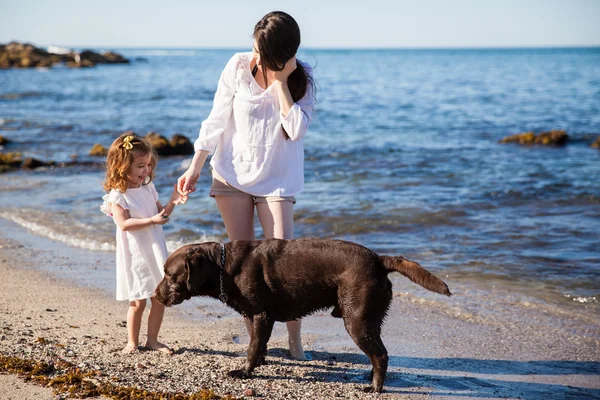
x: 297, y: 351
x: 158, y: 346
x: 130, y: 348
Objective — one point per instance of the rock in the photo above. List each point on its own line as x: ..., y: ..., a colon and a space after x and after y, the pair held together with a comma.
x: 81, y: 64
x: 4, y: 141
x: 10, y: 160
x: 32, y: 163
x: 596, y: 143
x: 178, y: 145
x: 25, y: 55
x: 549, y: 138
x: 160, y: 144
x: 521, y: 138
x: 114, y: 58
x: 181, y: 145
x: 106, y: 58
x: 98, y: 151
x: 90, y: 56
x: 250, y: 392
x: 553, y: 137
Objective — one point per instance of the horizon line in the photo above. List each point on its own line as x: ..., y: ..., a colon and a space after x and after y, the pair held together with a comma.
x: 326, y: 48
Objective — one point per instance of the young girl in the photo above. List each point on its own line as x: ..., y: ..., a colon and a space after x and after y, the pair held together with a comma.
x: 133, y: 203
x: 260, y: 115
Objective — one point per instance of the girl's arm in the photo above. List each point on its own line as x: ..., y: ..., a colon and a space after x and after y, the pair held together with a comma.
x: 126, y: 223
x: 176, y: 199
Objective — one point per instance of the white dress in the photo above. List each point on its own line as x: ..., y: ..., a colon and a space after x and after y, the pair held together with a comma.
x: 141, y: 254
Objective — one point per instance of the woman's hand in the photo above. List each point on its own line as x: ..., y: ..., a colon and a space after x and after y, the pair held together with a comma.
x: 186, y: 183
x: 177, y: 198
x: 287, y: 70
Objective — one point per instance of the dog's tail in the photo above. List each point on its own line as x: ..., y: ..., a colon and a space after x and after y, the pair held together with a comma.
x: 415, y: 273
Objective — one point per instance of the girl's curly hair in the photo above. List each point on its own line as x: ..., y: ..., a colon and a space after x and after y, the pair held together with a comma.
x: 120, y: 157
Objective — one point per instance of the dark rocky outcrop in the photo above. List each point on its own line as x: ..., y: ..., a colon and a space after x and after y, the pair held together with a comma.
x: 160, y: 143
x: 10, y: 161
x: 181, y: 145
x: 178, y: 145
x: 98, y: 151
x: 33, y: 163
x: 549, y: 138
x: 25, y: 55
x: 3, y: 141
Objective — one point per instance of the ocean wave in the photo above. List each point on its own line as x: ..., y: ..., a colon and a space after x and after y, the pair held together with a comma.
x: 583, y: 299
x: 47, y: 229
x: 66, y: 238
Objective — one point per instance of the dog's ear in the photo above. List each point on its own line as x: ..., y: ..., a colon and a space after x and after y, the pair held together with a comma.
x: 198, y: 268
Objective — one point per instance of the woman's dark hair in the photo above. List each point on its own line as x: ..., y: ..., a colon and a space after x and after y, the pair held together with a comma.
x: 277, y: 36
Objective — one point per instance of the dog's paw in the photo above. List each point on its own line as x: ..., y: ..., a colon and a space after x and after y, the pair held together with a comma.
x: 262, y: 361
x: 238, y: 374
x: 371, y: 389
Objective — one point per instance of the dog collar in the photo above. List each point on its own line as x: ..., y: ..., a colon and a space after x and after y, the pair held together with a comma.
x: 222, y: 295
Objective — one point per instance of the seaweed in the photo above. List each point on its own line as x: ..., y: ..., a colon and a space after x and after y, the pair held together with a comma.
x: 66, y: 378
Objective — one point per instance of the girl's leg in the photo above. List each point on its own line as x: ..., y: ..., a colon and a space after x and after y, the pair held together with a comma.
x: 134, y: 322
x: 155, y: 317
x: 277, y: 221
x: 238, y: 216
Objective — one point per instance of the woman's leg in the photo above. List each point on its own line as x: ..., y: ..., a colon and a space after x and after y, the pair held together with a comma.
x: 277, y: 220
x: 134, y: 322
x: 238, y: 216
x: 155, y: 317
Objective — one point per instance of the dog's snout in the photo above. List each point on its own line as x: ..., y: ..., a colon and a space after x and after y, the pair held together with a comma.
x: 168, y: 293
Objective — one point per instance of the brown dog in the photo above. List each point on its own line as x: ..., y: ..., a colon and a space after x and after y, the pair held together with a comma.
x: 282, y: 280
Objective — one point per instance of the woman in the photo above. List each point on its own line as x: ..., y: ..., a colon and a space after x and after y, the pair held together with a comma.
x: 261, y: 112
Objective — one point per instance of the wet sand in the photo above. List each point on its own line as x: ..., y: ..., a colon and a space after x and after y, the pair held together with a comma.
x: 63, y: 295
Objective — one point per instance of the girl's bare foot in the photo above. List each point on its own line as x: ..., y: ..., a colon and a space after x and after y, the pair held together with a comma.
x: 130, y: 348
x: 158, y: 346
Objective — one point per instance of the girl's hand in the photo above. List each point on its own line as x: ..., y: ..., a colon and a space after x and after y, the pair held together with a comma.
x: 186, y: 183
x: 176, y: 197
x: 160, y: 219
x: 289, y: 67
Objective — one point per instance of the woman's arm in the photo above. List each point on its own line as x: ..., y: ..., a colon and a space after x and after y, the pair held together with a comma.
x: 187, y: 182
x: 295, y: 117
x: 212, y: 127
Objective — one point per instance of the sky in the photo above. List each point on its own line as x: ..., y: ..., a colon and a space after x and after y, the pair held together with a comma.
x: 323, y: 23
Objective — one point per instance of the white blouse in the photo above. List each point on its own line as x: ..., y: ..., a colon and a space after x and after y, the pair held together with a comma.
x: 244, y: 133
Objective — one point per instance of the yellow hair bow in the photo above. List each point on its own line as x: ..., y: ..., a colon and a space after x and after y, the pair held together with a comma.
x: 127, y: 142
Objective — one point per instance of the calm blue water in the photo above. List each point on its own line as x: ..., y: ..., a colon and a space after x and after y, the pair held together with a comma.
x: 403, y: 157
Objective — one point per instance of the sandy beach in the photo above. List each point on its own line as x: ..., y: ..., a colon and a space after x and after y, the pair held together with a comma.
x: 57, y: 315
